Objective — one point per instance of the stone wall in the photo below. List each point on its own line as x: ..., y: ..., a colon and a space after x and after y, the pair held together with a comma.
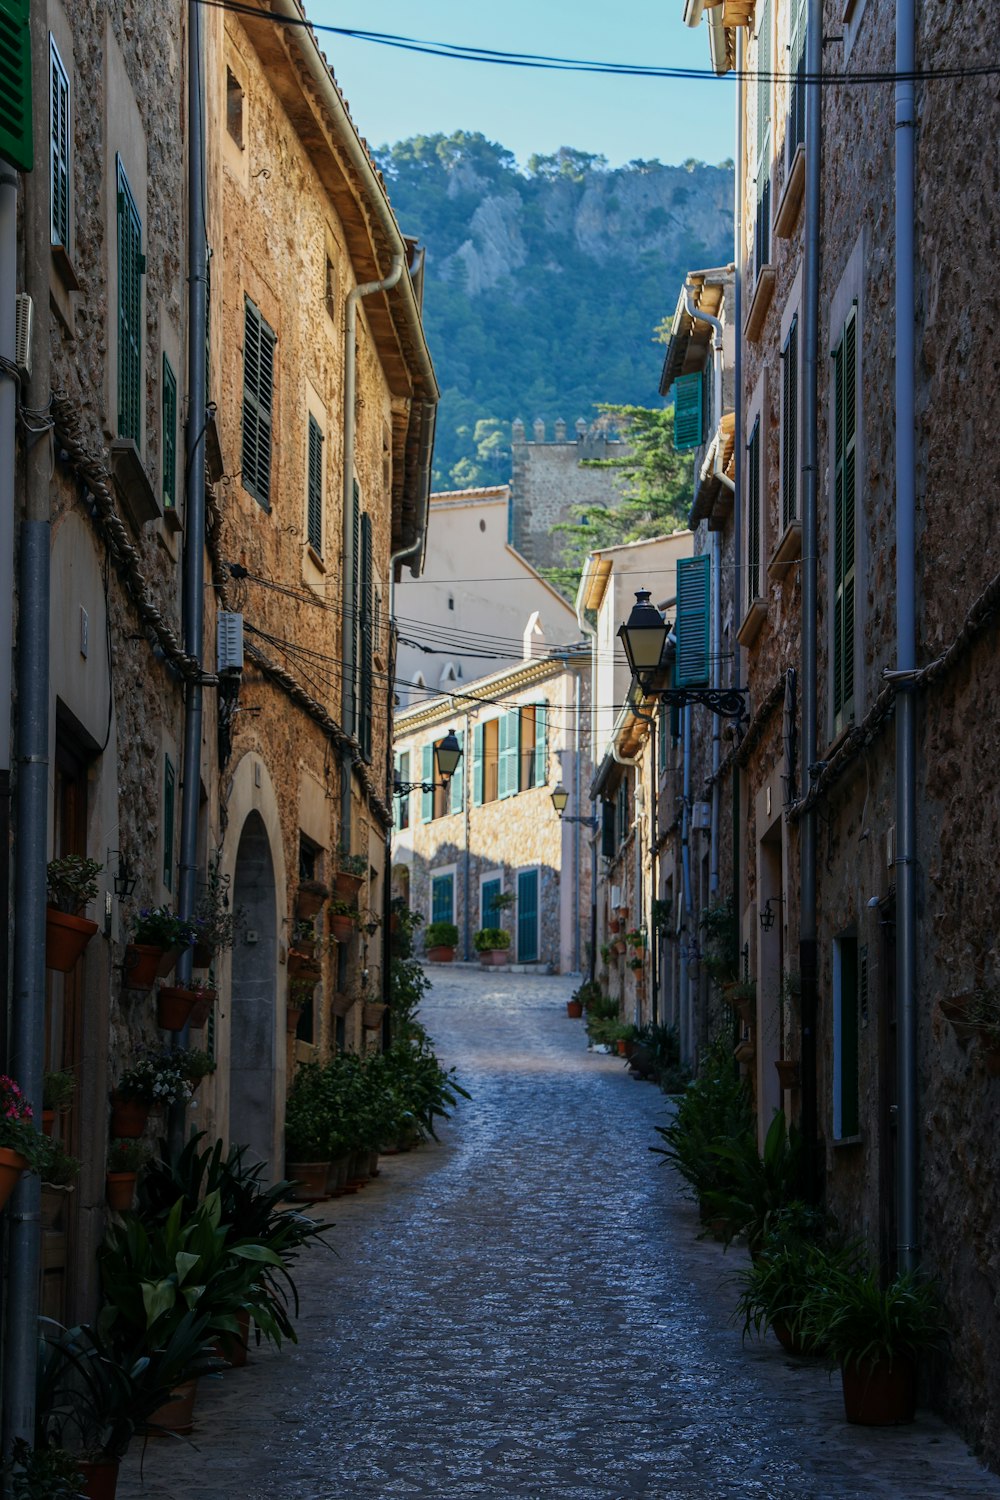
x: 548, y: 479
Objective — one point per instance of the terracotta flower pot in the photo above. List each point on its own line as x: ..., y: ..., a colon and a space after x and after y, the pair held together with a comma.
x: 372, y: 1015
x: 100, y: 1478
x: 128, y: 1117
x: 336, y: 1175
x: 785, y: 1337
x: 142, y: 965
x: 309, y: 1178
x: 620, y: 947
x: 342, y: 928
x: 234, y: 1347
x: 66, y: 937
x: 202, y: 1008
x: 12, y: 1164
x: 745, y: 1051
x: 202, y: 955
x: 48, y: 1121
x: 120, y: 1190
x: 879, y: 1395
x: 177, y: 1414
x: 574, y: 1009
x: 788, y: 1072
x: 293, y: 1014
x: 345, y: 884
x: 174, y: 1006
x: 54, y: 1198
x: 439, y: 954
x: 310, y: 898
x: 495, y: 957
x: 614, y: 925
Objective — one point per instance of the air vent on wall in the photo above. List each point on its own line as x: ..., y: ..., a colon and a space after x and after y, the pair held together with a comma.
x: 24, y: 318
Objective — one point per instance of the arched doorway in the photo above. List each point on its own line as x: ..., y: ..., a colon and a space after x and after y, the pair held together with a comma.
x: 252, y: 1059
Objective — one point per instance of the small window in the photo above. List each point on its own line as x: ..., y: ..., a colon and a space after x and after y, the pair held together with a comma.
x: 59, y: 146
x: 330, y: 286
x: 169, y: 797
x: 790, y: 426
x: 234, y: 107
x: 451, y: 601
x: 169, y: 420
x: 443, y: 898
x: 131, y: 267
x: 754, y: 499
x: 846, y: 1112
x: 314, y: 498
x: 258, y: 399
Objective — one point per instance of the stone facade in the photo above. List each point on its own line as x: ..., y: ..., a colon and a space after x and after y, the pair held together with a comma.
x: 548, y: 479
x: 448, y: 846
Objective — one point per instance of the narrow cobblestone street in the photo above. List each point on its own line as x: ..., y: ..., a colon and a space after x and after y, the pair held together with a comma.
x: 525, y: 1310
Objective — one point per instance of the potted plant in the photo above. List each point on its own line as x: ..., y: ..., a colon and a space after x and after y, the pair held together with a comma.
x: 574, y: 1005
x: 309, y: 898
x: 57, y: 1096
x: 440, y: 942
x: 216, y: 924
x: 636, y: 962
x: 491, y: 943
x: 776, y: 1286
x: 126, y: 1158
x: 605, y: 953
x: 719, y: 951
x: 58, y: 1171
x: 72, y: 885
x: 22, y: 1147
x: 614, y: 925
x: 372, y: 1014
x: 308, y: 1127
x: 351, y: 871
x: 193, y: 1064
x: 174, y: 1005
x: 876, y: 1334
x: 42, y: 1473
x: 343, y: 918
x: 636, y: 938
x: 158, y: 935
x: 741, y: 994
x: 300, y: 992
x: 788, y: 1072
x: 206, y: 995
x: 152, y: 1081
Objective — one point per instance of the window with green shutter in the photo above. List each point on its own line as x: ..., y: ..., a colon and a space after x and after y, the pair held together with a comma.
x: 131, y: 267
x: 59, y: 146
x: 844, y: 519
x: 621, y: 810
x: 427, y: 777
x: 662, y: 730
x: 694, y: 586
x: 442, y: 898
x: 762, y: 165
x: 790, y: 425
x: 846, y: 1112
x: 456, y: 787
x: 403, y: 802
x: 314, y: 488
x: 541, y: 767
x: 687, y: 411
x: 15, y: 85
x: 365, y: 639
x: 609, y: 841
x: 508, y: 754
x: 169, y: 799
x: 753, y: 516
x: 795, y: 130
x: 478, y: 764
x: 168, y: 418
x: 258, y: 403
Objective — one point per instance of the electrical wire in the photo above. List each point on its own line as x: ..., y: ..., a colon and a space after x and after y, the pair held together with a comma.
x: 461, y: 52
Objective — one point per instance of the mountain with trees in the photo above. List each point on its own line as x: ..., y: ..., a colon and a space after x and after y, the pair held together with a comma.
x: 545, y: 285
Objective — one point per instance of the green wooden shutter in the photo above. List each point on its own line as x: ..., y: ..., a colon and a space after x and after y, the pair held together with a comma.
x: 397, y: 802
x: 845, y: 497
x: 847, y: 1114
x: 796, y: 127
x: 427, y: 776
x: 443, y: 898
x: 694, y: 590
x: 609, y: 842
x: 753, y: 515
x: 131, y: 265
x: 762, y: 227
x: 687, y: 411
x: 477, y: 765
x: 456, y: 791
x: 15, y: 85
x: 527, y: 916
x: 507, y: 769
x: 790, y: 425
x: 168, y: 417
x: 258, y: 403
x: 314, y: 488
x: 59, y: 146
x: 489, y: 891
x: 365, y: 664
x: 541, y: 744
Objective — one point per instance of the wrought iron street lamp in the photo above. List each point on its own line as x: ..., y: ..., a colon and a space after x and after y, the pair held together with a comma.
x: 560, y: 798
x: 767, y: 916
x: 447, y: 755
x: 644, y: 636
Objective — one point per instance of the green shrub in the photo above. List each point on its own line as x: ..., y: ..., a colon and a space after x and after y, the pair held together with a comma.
x: 856, y: 1320
x: 714, y: 1108
x: 751, y: 1188
x: 441, y: 935
x: 489, y: 939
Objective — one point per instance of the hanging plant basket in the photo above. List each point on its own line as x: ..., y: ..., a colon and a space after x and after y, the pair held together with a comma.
x: 745, y: 1052
x: 174, y: 1006
x: 341, y: 1004
x: 788, y: 1072
x: 128, y: 1117
x: 614, y: 925
x: 12, y: 1165
x: 120, y: 1190
x: 293, y: 1015
x: 66, y: 938
x: 202, y: 1008
x: 303, y: 963
x: 342, y: 928
x: 620, y: 947
x: 372, y: 1015
x: 347, y: 885
x: 48, y: 1121
x: 142, y: 965
x: 310, y: 898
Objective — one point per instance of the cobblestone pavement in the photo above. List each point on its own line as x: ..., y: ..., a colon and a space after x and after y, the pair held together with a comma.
x: 526, y: 1310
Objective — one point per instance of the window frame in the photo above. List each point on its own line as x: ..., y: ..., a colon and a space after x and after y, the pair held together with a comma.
x: 315, y: 439
x: 257, y: 412
x: 131, y: 270
x: 168, y: 434
x: 790, y: 383
x: 60, y: 150
x: 764, y: 137
x: 845, y: 391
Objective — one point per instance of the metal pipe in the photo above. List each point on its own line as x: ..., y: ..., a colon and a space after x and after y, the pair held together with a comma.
x: 27, y: 1011
x: 349, y: 589
x: 654, y: 855
x: 8, y: 410
x: 810, y: 480
x: 576, y: 826
x: 193, y: 605
x: 686, y: 1007
x: 906, y: 642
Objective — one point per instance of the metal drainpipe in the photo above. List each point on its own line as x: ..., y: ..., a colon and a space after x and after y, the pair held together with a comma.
x: 588, y: 630
x: 810, y: 485
x: 576, y: 826
x: 27, y: 1018
x: 194, y: 519
x: 687, y: 1009
x: 737, y: 667
x: 654, y: 891
x: 906, y: 641
x: 467, y: 821
x: 8, y: 428
x: 349, y: 591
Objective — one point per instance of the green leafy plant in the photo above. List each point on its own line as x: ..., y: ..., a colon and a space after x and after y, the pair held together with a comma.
x: 636, y: 938
x: 504, y: 901
x: 441, y: 935
x: 351, y: 864
x: 217, y: 924
x: 72, y: 883
x: 159, y: 927
x: 661, y: 914
x: 715, y: 1108
x: 193, y: 1064
x: 751, y: 1188
x: 154, y: 1078
x: 42, y: 1473
x: 339, y: 908
x: 721, y: 936
x: 490, y: 939
x: 127, y: 1155
x: 58, y: 1090
x: 17, y: 1130
x: 777, y: 1285
x: 857, y: 1321
x: 605, y: 952
x: 55, y: 1165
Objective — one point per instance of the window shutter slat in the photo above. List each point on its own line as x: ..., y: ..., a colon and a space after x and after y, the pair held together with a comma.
x: 314, y: 498
x: 692, y: 628
x: 169, y: 424
x: 59, y: 146
x: 477, y: 765
x: 790, y: 418
x: 15, y: 85
x: 427, y: 775
x: 687, y: 412
x: 456, y: 791
x: 608, y: 842
x: 753, y: 516
x: 541, y: 744
x: 130, y: 269
x: 509, y: 747
x: 258, y: 399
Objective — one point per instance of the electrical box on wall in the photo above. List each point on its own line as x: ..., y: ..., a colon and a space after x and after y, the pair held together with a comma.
x: 701, y: 815
x: 229, y: 642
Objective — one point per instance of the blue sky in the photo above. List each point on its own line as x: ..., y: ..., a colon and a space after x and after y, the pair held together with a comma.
x: 396, y: 94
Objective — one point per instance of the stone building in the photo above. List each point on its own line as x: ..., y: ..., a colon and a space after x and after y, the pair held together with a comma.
x: 295, y: 754
x: 549, y: 478
x: 493, y: 831
x: 476, y: 596
x: 902, y: 864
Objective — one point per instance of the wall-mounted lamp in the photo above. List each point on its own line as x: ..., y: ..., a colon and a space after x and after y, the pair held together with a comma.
x: 767, y: 916
x: 125, y: 881
x: 560, y: 797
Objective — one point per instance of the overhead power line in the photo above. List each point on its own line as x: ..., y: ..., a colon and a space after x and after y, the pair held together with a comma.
x: 462, y: 52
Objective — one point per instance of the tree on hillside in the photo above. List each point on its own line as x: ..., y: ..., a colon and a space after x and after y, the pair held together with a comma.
x: 655, y: 484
